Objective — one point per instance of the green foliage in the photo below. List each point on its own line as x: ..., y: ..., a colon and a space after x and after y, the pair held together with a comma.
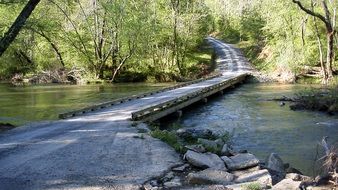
x: 253, y: 186
x: 170, y: 138
x: 158, y: 39
x: 108, y: 39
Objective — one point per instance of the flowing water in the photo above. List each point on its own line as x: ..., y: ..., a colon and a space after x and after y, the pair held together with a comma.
x: 259, y: 126
x: 263, y: 127
x: 22, y: 104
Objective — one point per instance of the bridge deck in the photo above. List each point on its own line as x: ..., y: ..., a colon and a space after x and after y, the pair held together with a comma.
x: 231, y: 65
x: 98, y: 150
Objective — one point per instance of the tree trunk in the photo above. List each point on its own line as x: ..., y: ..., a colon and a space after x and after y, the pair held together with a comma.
x: 330, y: 54
x: 14, y: 30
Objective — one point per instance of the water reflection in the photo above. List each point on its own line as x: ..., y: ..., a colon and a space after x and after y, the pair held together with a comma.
x: 22, y: 104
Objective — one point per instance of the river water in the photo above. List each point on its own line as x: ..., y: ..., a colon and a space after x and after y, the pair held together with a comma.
x: 258, y: 125
x: 262, y: 126
x: 22, y: 104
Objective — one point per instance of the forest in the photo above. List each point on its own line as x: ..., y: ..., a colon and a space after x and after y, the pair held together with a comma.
x: 162, y: 40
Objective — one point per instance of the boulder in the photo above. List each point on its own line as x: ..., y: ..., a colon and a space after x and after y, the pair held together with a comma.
x: 210, y: 176
x: 288, y: 184
x: 298, y: 177
x: 226, y: 151
x: 274, y: 162
x: 260, y: 176
x: 240, y: 161
x: 245, y: 171
x: 196, y: 148
x: 194, y: 133
x: 174, y: 183
x: 206, y: 160
x: 215, y: 145
x: 169, y: 176
x: 181, y: 168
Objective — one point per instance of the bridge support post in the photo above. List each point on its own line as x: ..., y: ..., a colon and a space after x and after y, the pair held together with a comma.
x: 179, y: 113
x: 205, y: 100
x: 221, y: 92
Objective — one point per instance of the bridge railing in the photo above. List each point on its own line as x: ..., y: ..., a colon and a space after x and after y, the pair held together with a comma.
x: 157, y: 111
x: 127, y: 99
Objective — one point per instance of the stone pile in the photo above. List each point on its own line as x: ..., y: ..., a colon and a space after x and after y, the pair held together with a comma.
x: 212, y: 164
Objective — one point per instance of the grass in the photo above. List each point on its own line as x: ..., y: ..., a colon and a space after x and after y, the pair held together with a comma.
x: 170, y: 138
x: 253, y: 186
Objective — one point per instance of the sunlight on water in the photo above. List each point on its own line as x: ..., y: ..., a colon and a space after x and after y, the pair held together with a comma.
x: 23, y: 104
x: 262, y: 126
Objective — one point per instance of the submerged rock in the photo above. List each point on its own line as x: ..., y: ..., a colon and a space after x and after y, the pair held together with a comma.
x: 274, y: 162
x: 206, y: 160
x: 210, y: 176
x: 240, y: 161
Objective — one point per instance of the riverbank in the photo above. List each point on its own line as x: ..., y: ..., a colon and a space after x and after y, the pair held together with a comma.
x: 322, y: 99
x: 212, y: 163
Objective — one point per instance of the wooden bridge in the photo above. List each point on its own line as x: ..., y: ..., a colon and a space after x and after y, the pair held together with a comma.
x: 232, y: 68
x: 96, y: 148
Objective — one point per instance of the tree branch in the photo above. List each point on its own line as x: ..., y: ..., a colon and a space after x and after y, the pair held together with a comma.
x: 312, y: 13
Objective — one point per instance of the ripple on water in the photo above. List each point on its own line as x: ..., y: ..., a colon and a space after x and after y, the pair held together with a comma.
x: 262, y: 126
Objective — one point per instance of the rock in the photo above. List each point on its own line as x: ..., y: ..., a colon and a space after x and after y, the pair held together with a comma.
x: 225, y: 150
x: 288, y: 184
x: 293, y: 170
x: 215, y: 145
x: 219, y: 142
x: 153, y: 183
x: 206, y: 160
x: 243, y: 151
x: 260, y: 176
x: 194, y: 133
x: 176, y: 182
x: 242, y: 172
x: 210, y: 176
x: 298, y: 177
x: 247, y: 186
x: 168, y: 177
x: 196, y: 148
x: 208, y: 187
x: 142, y: 128
x: 240, y: 161
x: 274, y: 162
x: 147, y: 187
x: 181, y: 168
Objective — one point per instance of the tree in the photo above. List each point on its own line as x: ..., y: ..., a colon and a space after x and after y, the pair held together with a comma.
x: 14, y: 30
x: 330, y: 32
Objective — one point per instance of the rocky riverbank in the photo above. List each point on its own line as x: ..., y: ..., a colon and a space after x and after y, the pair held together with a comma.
x: 211, y: 163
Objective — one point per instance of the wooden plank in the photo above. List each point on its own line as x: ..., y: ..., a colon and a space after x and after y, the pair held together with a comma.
x: 122, y: 100
x: 166, y: 108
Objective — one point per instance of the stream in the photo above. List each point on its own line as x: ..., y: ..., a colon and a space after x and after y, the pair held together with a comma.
x: 257, y: 124
x: 23, y: 104
x: 262, y: 126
